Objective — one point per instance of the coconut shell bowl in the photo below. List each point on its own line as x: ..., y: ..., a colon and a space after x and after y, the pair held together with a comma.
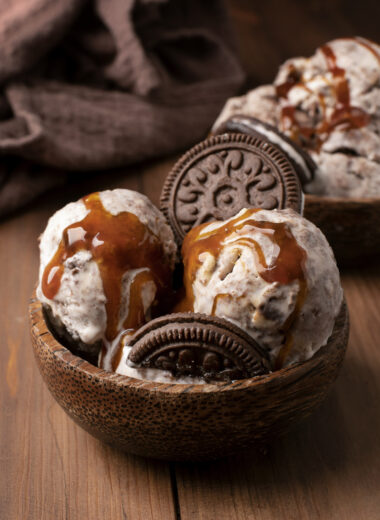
x: 184, y: 421
x: 350, y: 225
x: 249, y: 404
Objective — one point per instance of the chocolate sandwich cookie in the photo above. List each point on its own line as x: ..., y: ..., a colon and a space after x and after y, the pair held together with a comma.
x: 223, y: 174
x: 198, y: 345
x: 301, y: 160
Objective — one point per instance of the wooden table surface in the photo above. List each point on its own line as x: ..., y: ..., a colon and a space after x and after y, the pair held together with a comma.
x: 329, y: 468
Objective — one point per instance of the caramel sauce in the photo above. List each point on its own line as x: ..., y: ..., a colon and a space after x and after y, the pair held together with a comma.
x: 299, y: 133
x: 118, y: 243
x: 218, y: 297
x: 367, y: 43
x: 293, y: 79
x: 288, y: 265
x: 344, y: 114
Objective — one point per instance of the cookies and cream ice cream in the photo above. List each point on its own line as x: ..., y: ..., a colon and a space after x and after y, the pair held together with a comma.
x: 330, y: 105
x: 270, y: 272
x: 106, y: 264
x: 261, y: 289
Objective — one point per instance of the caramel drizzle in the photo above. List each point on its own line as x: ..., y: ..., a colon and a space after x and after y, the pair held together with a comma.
x: 118, y: 243
x: 368, y: 44
x: 218, y: 297
x: 289, y: 265
x: 344, y: 113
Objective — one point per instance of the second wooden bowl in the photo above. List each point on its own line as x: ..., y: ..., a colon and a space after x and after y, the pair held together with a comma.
x: 184, y: 422
x: 352, y: 226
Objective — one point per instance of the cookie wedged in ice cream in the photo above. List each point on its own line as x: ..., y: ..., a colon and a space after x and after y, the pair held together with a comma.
x: 106, y: 264
x: 330, y: 105
x: 270, y: 272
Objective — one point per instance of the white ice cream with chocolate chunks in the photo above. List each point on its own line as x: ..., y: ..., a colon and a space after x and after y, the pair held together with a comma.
x: 105, y: 262
x: 270, y: 272
x: 330, y: 105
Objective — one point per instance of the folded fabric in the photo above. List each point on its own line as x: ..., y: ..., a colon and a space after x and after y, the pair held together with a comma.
x: 92, y: 85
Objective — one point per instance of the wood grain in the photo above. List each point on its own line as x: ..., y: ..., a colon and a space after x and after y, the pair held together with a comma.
x: 351, y: 226
x: 199, y: 422
x: 328, y: 469
x: 51, y: 469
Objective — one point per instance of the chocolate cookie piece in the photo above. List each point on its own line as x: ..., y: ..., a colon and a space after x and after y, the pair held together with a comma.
x: 221, y: 175
x: 198, y: 345
x: 301, y: 160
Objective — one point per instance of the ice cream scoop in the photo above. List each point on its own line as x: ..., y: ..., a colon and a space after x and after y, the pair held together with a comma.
x: 106, y: 266
x: 330, y: 105
x: 272, y: 273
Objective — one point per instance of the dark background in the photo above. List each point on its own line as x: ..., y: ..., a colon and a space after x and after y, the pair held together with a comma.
x: 269, y: 31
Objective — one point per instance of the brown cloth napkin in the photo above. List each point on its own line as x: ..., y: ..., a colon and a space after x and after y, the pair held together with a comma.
x: 88, y: 85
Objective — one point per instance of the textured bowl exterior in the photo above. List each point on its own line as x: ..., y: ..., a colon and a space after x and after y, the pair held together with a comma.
x: 352, y: 226
x: 184, y: 422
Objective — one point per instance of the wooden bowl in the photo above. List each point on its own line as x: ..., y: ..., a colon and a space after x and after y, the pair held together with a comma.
x: 352, y: 226
x: 184, y: 422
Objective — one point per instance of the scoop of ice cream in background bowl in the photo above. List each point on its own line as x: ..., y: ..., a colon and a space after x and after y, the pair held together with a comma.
x: 248, y: 347
x: 328, y: 105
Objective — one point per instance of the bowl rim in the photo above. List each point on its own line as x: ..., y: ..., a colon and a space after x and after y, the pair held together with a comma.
x: 311, y: 197
x: 40, y: 331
